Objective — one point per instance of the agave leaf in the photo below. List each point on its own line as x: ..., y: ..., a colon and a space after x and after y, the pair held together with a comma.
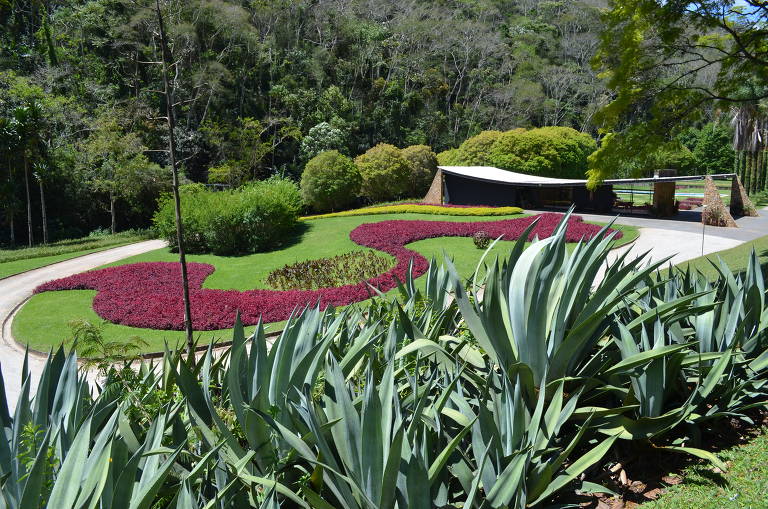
x: 699, y: 453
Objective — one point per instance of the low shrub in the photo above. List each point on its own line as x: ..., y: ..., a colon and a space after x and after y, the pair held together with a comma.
x: 344, y: 269
x: 330, y: 181
x: 481, y: 240
x: 257, y: 217
x: 423, y: 165
x: 414, y: 208
x: 385, y: 173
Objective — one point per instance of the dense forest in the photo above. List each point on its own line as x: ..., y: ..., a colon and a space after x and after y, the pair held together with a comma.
x: 80, y: 81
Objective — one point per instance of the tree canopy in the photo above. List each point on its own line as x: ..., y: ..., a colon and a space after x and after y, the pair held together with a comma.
x: 673, y: 63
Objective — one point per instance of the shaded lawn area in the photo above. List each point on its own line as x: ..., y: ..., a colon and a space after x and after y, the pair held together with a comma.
x: 42, y: 328
x: 744, y: 486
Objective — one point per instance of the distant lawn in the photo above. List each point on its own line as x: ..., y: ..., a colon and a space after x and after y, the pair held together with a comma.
x: 41, y: 329
x: 744, y: 486
x: 736, y: 258
x: 15, y: 261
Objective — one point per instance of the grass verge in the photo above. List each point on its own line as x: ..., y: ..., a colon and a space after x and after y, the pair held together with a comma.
x: 15, y: 261
x: 736, y: 258
x: 42, y: 329
x: 744, y: 486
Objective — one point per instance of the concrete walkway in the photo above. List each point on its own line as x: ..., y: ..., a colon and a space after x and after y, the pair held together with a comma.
x: 15, y: 290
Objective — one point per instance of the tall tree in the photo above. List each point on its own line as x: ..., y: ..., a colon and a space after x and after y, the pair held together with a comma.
x: 166, y: 61
x: 667, y: 63
x: 28, y: 126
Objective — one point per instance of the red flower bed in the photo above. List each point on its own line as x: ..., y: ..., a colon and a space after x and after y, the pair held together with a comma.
x: 149, y: 294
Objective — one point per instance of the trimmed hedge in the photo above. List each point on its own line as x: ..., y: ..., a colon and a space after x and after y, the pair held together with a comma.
x: 330, y: 181
x: 413, y: 208
x: 546, y: 151
x: 559, y: 152
x: 476, y: 151
x: 256, y: 217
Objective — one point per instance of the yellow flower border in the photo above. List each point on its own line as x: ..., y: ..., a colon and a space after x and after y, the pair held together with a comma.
x: 423, y: 209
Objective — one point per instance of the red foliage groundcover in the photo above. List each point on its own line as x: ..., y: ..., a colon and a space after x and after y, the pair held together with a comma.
x: 149, y: 294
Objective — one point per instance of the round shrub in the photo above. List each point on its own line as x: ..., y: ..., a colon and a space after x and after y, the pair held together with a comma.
x: 481, y: 239
x: 423, y: 165
x: 385, y: 173
x: 256, y: 217
x: 476, y: 151
x: 559, y: 152
x: 450, y: 157
x: 330, y: 181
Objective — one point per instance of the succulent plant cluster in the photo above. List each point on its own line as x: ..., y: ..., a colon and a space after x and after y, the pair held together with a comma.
x: 515, y: 389
x: 148, y: 295
x: 344, y: 269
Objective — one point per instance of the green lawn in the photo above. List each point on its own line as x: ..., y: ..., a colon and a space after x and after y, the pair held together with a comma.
x: 736, y: 258
x: 744, y: 486
x: 15, y: 261
x: 42, y: 329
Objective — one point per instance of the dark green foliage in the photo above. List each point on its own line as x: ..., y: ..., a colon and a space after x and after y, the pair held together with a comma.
x: 712, y: 148
x: 423, y: 165
x: 257, y: 217
x: 345, y: 269
x: 330, y: 182
x: 547, y: 151
x: 385, y: 172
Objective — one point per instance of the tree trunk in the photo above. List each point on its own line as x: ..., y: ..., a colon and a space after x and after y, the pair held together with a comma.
x: 112, y: 212
x: 29, y: 201
x: 13, y: 234
x: 43, y: 212
x: 747, y: 172
x: 755, y: 172
x: 168, y: 92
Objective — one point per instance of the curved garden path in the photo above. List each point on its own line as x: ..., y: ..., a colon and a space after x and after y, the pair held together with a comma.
x: 15, y: 290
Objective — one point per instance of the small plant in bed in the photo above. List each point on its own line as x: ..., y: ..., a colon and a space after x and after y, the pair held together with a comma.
x: 345, y: 269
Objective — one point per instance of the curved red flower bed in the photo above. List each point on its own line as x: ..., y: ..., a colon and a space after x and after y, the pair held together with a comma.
x: 149, y: 294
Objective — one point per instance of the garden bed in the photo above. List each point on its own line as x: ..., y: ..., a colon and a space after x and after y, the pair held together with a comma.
x: 149, y: 294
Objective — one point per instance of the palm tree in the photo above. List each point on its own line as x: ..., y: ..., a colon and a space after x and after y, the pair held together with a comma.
x: 27, y: 121
x: 750, y: 126
x: 8, y: 143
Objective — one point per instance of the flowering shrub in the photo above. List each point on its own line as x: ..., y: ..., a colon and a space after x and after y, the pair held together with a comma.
x: 416, y: 208
x: 690, y: 203
x: 338, y: 270
x: 149, y: 294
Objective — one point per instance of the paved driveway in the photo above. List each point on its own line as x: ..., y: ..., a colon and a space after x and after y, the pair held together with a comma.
x: 14, y: 290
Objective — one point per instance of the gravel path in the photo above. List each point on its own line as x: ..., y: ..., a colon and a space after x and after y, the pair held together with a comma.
x: 14, y: 290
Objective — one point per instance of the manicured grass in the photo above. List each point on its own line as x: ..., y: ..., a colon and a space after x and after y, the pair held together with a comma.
x: 41, y: 329
x: 15, y: 261
x: 736, y: 258
x: 744, y: 486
